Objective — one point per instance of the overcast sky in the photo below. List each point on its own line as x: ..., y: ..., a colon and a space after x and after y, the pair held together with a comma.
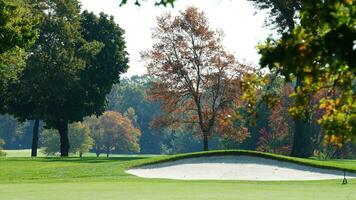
x: 243, y: 30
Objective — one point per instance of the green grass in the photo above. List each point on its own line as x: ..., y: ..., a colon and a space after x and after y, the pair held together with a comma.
x: 23, y: 153
x: 100, y: 178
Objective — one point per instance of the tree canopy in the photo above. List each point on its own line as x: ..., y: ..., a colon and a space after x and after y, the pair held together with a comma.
x: 112, y: 131
x: 71, y: 67
x: 194, y: 78
x: 321, y: 50
x: 282, y: 13
x: 18, y: 31
x: 131, y: 93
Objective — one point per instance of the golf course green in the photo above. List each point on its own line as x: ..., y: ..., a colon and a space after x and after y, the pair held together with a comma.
x: 93, y: 178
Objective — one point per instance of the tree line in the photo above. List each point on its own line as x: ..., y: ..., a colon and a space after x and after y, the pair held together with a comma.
x: 272, y: 131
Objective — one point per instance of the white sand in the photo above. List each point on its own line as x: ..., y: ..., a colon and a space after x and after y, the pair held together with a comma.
x: 235, y: 168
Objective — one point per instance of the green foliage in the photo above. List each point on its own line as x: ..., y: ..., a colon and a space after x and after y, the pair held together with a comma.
x: 53, y: 68
x: 181, y: 141
x: 17, y: 25
x: 17, y: 32
x: 131, y: 93
x: 104, y: 68
x: 14, y: 133
x: 321, y: 52
x: 2, y: 143
x: 50, y: 138
x: 96, y: 133
x: 131, y: 114
x: 72, y: 67
x: 282, y: 13
x: 79, y: 137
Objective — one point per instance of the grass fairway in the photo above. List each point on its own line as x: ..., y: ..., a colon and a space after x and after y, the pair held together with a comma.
x: 23, y: 153
x: 101, y: 178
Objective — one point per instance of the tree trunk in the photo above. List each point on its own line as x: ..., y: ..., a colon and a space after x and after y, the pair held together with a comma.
x: 107, y: 152
x: 63, y: 133
x: 205, y: 140
x: 302, y: 144
x: 35, y: 138
x: 80, y: 154
x: 302, y: 141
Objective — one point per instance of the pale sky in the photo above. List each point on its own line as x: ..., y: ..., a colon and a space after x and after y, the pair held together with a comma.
x: 243, y: 30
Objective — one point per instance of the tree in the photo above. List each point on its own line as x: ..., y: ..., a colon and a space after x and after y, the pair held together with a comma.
x: 282, y: 13
x: 112, y: 131
x: 71, y: 67
x: 2, y: 143
x: 131, y: 115
x: 321, y: 52
x: 17, y: 32
x: 132, y: 93
x: 47, y: 84
x: 96, y: 133
x: 283, y: 16
x: 276, y: 137
x: 79, y: 136
x: 50, y: 143
x: 195, y: 79
x: 181, y: 141
x: 119, y: 133
x: 14, y: 133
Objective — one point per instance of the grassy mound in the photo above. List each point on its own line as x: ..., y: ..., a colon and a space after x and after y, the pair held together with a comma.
x: 331, y: 164
x: 70, y: 169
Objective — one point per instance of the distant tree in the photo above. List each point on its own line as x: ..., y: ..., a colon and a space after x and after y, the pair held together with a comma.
x: 110, y: 121
x: 14, y: 133
x: 181, y: 141
x: 96, y: 133
x: 131, y: 115
x: 8, y: 126
x: 132, y: 93
x: 277, y: 136
x: 119, y: 133
x: 2, y: 143
x: 79, y: 136
x: 50, y: 143
x: 195, y: 79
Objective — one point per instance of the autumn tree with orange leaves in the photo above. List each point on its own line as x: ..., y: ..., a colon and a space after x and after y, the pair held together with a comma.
x: 196, y: 80
x: 112, y: 131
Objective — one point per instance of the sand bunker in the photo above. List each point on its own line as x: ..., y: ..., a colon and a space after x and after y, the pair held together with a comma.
x: 235, y: 168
